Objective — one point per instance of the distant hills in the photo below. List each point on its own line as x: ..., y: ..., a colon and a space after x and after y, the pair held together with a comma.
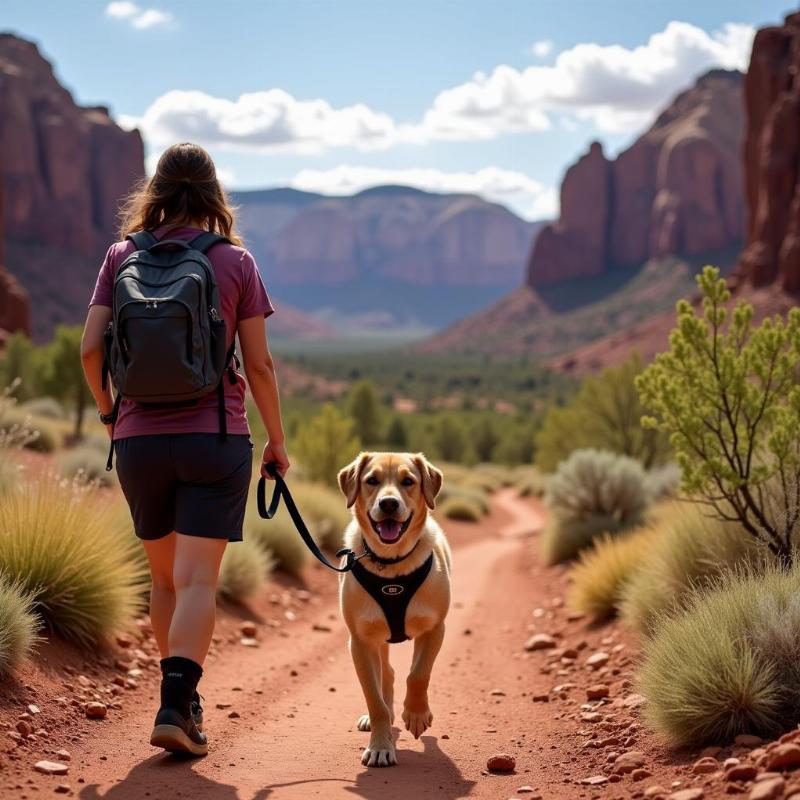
x: 388, y: 257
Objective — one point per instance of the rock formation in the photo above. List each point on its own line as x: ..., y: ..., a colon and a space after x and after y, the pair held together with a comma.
x: 772, y: 158
x: 675, y: 191
x: 65, y: 169
x: 14, y: 302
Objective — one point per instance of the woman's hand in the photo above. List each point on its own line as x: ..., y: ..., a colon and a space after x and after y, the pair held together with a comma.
x: 277, y: 453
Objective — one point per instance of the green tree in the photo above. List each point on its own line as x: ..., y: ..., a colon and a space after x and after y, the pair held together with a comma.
x: 605, y: 414
x: 449, y: 439
x: 397, y: 434
x: 62, y: 372
x: 727, y: 394
x: 20, y: 361
x: 327, y: 443
x: 364, y: 407
x: 484, y: 440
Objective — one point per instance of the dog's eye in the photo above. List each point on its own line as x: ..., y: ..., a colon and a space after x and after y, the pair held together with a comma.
x: 407, y: 482
x: 372, y: 481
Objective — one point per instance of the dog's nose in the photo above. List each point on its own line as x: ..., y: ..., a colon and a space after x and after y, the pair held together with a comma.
x: 388, y: 505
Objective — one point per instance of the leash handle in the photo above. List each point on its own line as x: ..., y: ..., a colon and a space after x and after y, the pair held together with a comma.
x: 282, y: 490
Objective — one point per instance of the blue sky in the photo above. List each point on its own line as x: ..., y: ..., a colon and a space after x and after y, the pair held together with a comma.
x: 494, y: 96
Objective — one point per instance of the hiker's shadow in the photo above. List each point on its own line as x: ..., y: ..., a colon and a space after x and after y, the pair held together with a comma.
x: 164, y: 777
x: 429, y: 774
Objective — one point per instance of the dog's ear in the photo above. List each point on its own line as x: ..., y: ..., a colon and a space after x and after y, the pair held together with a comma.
x: 350, y: 477
x: 431, y: 479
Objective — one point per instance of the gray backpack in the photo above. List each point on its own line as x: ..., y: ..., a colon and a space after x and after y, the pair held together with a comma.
x: 166, y: 342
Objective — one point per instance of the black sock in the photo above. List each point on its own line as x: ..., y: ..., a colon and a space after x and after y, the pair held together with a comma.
x: 179, y: 679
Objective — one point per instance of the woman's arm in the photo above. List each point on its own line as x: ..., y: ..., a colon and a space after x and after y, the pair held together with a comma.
x: 260, y: 371
x: 92, y: 357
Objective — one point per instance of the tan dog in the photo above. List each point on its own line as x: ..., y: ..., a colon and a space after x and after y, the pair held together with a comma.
x: 407, y: 569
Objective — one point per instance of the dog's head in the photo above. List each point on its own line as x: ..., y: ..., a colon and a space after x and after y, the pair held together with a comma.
x: 391, y: 494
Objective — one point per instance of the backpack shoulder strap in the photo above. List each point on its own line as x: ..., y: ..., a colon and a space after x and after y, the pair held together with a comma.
x: 205, y: 241
x: 142, y: 240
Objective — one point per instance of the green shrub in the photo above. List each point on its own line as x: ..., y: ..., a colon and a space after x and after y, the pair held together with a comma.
x: 602, y: 572
x: 325, y: 444
x: 529, y: 482
x: 33, y: 433
x: 245, y: 566
x: 18, y: 625
x: 728, y: 664
x: 86, y: 464
x: 460, y: 508
x: 592, y: 492
x: 278, y: 538
x: 66, y: 545
x: 458, y: 492
x: 689, y: 549
x: 47, y: 407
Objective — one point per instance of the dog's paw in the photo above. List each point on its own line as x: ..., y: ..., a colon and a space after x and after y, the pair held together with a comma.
x: 380, y: 754
x: 363, y: 723
x: 417, y: 722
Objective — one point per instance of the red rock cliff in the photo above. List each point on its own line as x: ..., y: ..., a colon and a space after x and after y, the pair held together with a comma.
x: 14, y: 302
x: 772, y: 158
x: 64, y: 170
x: 675, y: 191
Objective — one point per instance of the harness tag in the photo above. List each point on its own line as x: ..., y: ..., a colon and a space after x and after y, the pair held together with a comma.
x: 393, y: 589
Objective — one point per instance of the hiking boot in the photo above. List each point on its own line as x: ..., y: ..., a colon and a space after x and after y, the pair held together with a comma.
x: 197, y: 712
x: 177, y: 734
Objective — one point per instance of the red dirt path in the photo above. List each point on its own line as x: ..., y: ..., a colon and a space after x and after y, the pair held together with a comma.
x: 295, y: 736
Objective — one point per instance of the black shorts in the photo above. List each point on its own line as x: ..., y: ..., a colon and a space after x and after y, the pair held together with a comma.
x: 192, y: 483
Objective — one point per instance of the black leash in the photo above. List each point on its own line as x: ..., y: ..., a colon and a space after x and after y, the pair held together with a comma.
x: 282, y: 490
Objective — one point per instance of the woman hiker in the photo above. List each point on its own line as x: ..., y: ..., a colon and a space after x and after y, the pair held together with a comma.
x: 184, y: 467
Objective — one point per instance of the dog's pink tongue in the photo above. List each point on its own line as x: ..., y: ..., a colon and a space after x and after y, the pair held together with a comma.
x: 389, y: 529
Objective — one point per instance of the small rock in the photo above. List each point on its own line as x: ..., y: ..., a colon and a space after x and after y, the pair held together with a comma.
x: 597, y: 660
x: 695, y: 793
x: 770, y: 789
x: 705, y: 766
x: 655, y: 791
x: 63, y: 788
x: 591, y: 716
x: 595, y: 780
x: 51, y: 768
x: 525, y: 790
x: 640, y: 774
x: 32, y: 709
x: 540, y: 641
x: 248, y: 641
x: 25, y: 729
x: 628, y: 762
x: 741, y: 772
x: 63, y: 755
x: 497, y: 693
x: 248, y: 629
x: 321, y: 628
x: 783, y: 756
x: 233, y: 715
x: 501, y: 762
x: 223, y: 706
x: 96, y: 710
x: 541, y: 698
x: 597, y: 692
x: 633, y: 701
x: 710, y: 752
x: 747, y: 740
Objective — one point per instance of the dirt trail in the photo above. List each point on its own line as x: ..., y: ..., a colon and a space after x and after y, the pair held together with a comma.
x: 296, y: 735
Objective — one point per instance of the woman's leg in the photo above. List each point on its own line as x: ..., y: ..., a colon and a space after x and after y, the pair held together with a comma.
x: 195, y: 576
x: 161, y: 555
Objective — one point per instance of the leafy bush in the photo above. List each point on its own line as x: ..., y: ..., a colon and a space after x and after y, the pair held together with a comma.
x: 18, y: 625
x: 86, y: 464
x: 605, y: 414
x: 592, y: 492
x: 245, y: 566
x: 727, y: 395
x: 689, y: 548
x: 278, y: 538
x: 325, y: 444
x: 529, y: 483
x: 460, y: 508
x: 47, y: 407
x: 728, y: 664
x: 66, y: 545
x: 472, y: 495
x: 602, y: 572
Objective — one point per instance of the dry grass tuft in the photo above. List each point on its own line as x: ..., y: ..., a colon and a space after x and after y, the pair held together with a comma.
x: 18, y: 625
x: 245, y: 567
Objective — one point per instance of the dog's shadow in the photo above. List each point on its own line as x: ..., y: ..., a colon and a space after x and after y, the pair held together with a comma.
x: 429, y: 774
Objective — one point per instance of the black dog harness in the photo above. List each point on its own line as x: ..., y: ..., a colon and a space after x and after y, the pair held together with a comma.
x: 392, y: 594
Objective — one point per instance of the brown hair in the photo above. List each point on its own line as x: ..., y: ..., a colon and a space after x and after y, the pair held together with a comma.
x: 183, y: 189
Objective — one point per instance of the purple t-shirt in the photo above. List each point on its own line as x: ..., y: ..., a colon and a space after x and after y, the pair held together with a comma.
x: 242, y: 295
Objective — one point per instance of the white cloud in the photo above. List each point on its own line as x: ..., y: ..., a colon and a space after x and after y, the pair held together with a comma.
x: 617, y: 88
x: 527, y: 197
x: 542, y: 48
x: 141, y: 18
